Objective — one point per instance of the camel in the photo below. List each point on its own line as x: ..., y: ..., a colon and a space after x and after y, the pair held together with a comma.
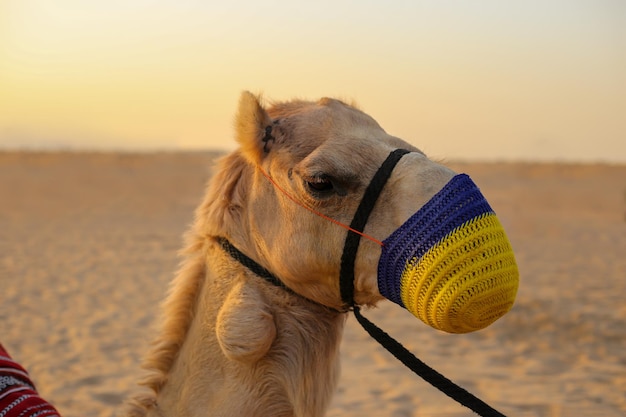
x: 234, y: 344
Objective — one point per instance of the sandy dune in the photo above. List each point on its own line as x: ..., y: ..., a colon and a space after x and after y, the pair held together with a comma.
x: 88, y: 245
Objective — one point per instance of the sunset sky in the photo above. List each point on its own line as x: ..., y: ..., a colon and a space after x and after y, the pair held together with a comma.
x: 531, y: 80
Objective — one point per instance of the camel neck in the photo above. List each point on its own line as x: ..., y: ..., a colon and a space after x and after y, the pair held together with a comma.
x: 237, y: 357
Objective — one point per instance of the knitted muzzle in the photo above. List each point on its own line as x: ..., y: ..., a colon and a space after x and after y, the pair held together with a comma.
x: 451, y: 263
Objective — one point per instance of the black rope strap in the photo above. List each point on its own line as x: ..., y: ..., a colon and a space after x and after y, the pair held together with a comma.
x: 394, y: 347
x: 257, y: 269
x: 351, y: 245
x: 250, y: 263
x: 424, y: 371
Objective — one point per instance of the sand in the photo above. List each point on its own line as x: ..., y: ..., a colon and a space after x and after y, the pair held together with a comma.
x: 88, y: 244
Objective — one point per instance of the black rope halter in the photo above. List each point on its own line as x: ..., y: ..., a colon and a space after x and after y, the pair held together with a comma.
x: 346, y: 284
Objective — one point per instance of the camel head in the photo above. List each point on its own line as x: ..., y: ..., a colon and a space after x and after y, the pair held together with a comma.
x: 290, y: 191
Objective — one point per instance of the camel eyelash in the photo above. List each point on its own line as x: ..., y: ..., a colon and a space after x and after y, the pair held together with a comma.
x: 319, y: 184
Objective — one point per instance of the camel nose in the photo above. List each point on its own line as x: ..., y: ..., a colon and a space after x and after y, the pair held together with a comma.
x: 451, y: 264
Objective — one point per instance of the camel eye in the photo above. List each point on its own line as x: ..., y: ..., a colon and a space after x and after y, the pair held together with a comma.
x: 319, y: 184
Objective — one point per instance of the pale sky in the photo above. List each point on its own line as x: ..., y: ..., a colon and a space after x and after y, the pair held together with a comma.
x: 477, y: 80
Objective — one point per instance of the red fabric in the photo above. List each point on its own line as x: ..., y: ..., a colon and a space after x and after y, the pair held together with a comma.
x: 18, y: 395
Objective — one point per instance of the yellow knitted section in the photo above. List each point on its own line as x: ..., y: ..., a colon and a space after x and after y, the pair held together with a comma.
x: 466, y: 281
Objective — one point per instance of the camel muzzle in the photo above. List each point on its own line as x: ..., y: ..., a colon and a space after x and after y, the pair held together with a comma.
x: 451, y: 263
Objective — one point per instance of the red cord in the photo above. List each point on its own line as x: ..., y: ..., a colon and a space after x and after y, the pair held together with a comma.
x: 345, y: 226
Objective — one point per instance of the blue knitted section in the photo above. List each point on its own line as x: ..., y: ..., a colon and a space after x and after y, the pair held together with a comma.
x: 458, y: 202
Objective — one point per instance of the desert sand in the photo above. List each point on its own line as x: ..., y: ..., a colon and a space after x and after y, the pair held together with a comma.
x: 88, y: 244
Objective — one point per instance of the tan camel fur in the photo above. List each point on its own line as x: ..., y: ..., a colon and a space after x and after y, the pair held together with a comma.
x: 233, y: 344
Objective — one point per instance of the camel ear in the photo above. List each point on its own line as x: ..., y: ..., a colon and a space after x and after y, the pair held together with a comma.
x: 251, y: 124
